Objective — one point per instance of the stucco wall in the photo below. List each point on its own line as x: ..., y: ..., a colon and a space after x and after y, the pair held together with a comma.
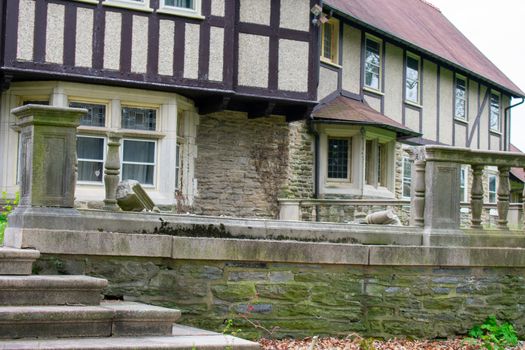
x: 351, y: 59
x: 242, y: 164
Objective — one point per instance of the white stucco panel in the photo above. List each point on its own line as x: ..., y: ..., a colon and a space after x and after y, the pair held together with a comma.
x: 84, y: 38
x: 166, y: 46
x: 191, y: 51
x: 495, y: 142
x: 394, y: 82
x: 295, y: 14
x: 460, y: 135
x: 216, y: 64
x: 255, y: 11
x: 429, y: 100
x: 139, y: 44
x: 293, y: 65
x: 351, y: 59
x: 55, y: 33
x: 253, y: 60
x: 112, y: 36
x: 446, y: 116
x: 26, y: 29
x: 374, y: 102
x: 217, y: 8
x: 412, y: 118
x: 327, y: 82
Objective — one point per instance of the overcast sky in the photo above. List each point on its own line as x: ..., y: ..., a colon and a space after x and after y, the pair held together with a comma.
x: 497, y: 28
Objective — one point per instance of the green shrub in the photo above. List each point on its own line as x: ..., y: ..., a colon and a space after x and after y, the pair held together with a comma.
x: 493, y: 335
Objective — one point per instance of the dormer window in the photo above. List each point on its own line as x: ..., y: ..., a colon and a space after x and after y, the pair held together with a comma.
x: 330, y: 41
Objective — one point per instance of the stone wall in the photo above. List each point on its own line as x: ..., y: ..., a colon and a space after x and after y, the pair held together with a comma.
x: 302, y: 162
x: 242, y: 164
x: 311, y: 299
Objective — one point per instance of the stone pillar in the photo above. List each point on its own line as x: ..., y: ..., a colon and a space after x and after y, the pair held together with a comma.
x: 290, y: 210
x: 476, y: 196
x: 503, y: 197
x: 417, y: 215
x: 112, y: 171
x: 442, y: 206
x: 48, y: 155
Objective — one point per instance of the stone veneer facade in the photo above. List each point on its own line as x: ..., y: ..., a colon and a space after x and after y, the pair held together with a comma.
x: 311, y: 299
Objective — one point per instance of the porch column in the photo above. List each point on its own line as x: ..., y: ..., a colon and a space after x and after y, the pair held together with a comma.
x: 503, y: 197
x: 476, y: 196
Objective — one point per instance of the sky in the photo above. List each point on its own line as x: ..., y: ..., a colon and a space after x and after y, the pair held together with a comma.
x: 497, y: 28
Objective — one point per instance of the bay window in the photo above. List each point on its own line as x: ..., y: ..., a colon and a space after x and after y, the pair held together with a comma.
x: 338, y: 158
x: 138, y: 161
x: 90, y: 157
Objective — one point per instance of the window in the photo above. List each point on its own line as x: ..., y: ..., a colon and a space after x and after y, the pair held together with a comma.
x: 495, y: 112
x: 134, y: 4
x: 338, y: 160
x: 407, y: 177
x: 90, y: 154
x: 492, y: 188
x: 178, y: 165
x: 463, y: 179
x: 373, y: 63
x: 412, y: 78
x: 139, y: 118
x: 138, y: 161
x: 330, y: 38
x: 96, y: 115
x: 185, y: 4
x: 190, y: 8
x: 460, y: 102
x: 376, y: 163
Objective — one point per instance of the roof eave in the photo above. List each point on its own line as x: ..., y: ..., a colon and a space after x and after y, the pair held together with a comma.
x: 400, y: 132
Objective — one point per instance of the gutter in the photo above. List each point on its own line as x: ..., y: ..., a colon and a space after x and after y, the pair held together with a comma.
x: 507, y: 121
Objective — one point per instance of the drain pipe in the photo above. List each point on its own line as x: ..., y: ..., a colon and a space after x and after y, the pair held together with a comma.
x: 317, y: 151
x: 508, y: 122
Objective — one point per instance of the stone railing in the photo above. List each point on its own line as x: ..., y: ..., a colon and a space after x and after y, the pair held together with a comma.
x: 436, y: 185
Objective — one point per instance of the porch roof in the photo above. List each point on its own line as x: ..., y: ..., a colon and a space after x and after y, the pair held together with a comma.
x: 519, y: 173
x: 351, y: 111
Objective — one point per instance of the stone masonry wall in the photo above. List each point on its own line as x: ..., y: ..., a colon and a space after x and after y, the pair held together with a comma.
x: 242, y: 164
x: 302, y: 162
x: 306, y: 300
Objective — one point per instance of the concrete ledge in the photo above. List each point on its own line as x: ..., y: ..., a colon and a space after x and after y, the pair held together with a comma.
x: 17, y: 261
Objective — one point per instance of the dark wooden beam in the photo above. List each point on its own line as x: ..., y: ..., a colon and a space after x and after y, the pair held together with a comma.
x: 261, y: 109
x: 301, y: 112
x: 5, y: 81
x: 212, y: 104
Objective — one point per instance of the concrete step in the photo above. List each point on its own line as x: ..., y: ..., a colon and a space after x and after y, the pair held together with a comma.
x: 186, y: 338
x: 50, y: 290
x: 17, y: 261
x: 108, y: 319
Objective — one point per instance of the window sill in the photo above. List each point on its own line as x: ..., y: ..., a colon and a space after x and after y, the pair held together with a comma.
x: 373, y: 91
x: 94, y: 2
x: 413, y: 104
x: 462, y: 121
x: 496, y: 132
x: 180, y: 13
x: 330, y: 63
x: 154, y: 135
x: 127, y: 6
x: 93, y: 130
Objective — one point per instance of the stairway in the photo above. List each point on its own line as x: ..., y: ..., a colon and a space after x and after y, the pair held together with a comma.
x: 65, y: 312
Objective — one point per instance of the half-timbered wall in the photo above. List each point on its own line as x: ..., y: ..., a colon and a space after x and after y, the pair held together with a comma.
x: 433, y: 116
x: 266, y: 48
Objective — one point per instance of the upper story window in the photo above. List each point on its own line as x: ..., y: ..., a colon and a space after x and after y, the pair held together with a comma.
x: 412, y: 78
x: 495, y: 112
x: 134, y: 4
x: 338, y: 158
x: 330, y: 41
x: 460, y: 104
x: 96, y: 115
x: 373, y: 63
x: 180, y: 7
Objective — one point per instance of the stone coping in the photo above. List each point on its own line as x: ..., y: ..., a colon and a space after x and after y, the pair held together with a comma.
x: 220, y: 249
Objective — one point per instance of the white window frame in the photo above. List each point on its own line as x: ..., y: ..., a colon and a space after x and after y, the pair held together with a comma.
x: 378, y: 41
x: 142, y: 5
x: 181, y: 11
x: 418, y: 59
x: 465, y: 100
x: 405, y: 178
x: 155, y: 157
x: 334, y: 59
x: 349, y: 159
x: 495, y: 192
x: 104, y: 152
x: 492, y: 113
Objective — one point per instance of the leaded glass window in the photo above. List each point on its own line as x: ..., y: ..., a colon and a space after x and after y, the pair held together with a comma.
x: 187, y: 4
x: 412, y: 79
x: 338, y: 150
x: 138, y: 161
x: 461, y: 99
x: 96, y: 115
x: 139, y: 118
x: 494, y: 112
x: 372, y: 64
x: 90, y: 154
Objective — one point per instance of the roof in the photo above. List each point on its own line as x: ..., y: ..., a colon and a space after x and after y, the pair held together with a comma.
x: 518, y: 173
x: 347, y: 110
x: 417, y: 23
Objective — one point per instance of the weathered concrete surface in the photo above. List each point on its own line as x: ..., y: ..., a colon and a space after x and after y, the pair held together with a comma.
x: 17, y: 261
x: 50, y: 290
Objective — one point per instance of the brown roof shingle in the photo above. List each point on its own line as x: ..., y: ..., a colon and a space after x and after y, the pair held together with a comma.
x: 349, y: 110
x: 417, y: 23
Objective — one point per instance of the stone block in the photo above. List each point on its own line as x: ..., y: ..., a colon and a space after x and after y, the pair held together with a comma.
x: 17, y: 261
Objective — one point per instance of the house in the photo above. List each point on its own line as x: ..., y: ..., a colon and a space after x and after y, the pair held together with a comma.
x: 224, y: 106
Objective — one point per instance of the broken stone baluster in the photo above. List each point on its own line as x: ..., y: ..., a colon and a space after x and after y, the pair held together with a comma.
x: 112, y: 172
x: 476, y: 201
x: 503, y: 197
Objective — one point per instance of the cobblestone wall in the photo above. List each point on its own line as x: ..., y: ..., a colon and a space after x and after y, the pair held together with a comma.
x: 302, y: 162
x: 306, y: 300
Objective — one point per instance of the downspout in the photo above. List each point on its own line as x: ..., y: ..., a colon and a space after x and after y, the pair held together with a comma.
x: 508, y: 122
